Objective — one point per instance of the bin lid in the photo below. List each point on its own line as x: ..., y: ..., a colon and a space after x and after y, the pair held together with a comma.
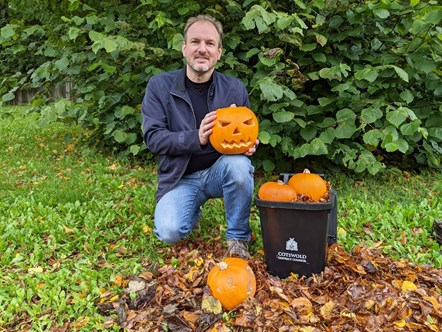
x: 310, y: 206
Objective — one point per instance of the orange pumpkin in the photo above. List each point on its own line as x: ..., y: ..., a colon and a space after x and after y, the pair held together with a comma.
x: 276, y: 191
x: 235, y: 130
x: 232, y: 281
x: 309, y: 184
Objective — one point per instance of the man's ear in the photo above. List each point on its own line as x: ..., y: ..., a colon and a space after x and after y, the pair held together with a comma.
x: 183, y: 47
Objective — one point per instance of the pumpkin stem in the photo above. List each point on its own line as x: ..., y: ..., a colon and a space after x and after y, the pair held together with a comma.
x: 222, y: 265
x: 306, y: 171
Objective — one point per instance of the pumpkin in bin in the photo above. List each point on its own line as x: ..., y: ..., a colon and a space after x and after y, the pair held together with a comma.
x: 235, y: 130
x: 308, y: 184
x: 232, y: 281
x: 277, y: 191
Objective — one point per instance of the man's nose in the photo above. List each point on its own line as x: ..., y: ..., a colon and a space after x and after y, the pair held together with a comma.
x: 202, y: 48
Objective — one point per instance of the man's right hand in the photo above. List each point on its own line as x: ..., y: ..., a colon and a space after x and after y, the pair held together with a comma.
x: 206, y: 127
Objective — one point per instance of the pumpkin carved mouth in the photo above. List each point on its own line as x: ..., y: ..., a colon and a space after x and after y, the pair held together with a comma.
x: 237, y: 145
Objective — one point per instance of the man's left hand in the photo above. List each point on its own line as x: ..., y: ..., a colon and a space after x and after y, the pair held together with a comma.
x: 252, y: 150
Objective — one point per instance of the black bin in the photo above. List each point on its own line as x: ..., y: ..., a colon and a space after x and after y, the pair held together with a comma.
x: 296, y: 235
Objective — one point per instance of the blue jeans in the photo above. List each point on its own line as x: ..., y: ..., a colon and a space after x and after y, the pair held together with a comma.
x: 231, y: 177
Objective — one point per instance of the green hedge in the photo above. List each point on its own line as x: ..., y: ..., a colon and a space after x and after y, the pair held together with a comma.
x: 353, y: 83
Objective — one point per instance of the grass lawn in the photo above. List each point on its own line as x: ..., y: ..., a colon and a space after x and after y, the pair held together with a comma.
x: 74, y: 221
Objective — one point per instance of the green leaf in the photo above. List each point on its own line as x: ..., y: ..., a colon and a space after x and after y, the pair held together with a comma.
x: 74, y: 32
x: 268, y: 165
x: 283, y: 116
x: 327, y: 122
x: 372, y: 137
x: 399, y: 144
x: 434, y: 15
x: 419, y: 26
x: 324, y: 101
x: 252, y: 52
x: 411, y: 128
x: 177, y: 41
x: 336, y: 21
x: 320, y: 39
x: 328, y: 136
x: 274, y: 140
x: 407, y: 96
x: 423, y: 63
x: 271, y: 90
x: 96, y: 36
x: 7, y: 32
x: 283, y: 22
x: 135, y: 149
x: 345, y: 130
x: 258, y: 17
x: 308, y: 133
x: 319, y: 57
x: 381, y: 13
x: 264, y: 137
x: 109, y: 45
x: 345, y: 114
x: 300, y: 122
x: 414, y: 2
x: 318, y: 147
x: 62, y: 63
x: 346, y: 127
x: 397, y: 117
x: 8, y: 97
x: 119, y: 136
x: 368, y: 73
x: 401, y: 73
x: 371, y: 114
x: 308, y: 47
x: 300, y: 22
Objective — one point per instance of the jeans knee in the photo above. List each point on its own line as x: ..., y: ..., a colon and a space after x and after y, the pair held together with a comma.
x: 168, y: 236
x: 239, y: 166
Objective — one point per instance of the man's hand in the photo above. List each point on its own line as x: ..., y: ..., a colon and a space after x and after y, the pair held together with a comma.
x: 206, y: 127
x: 252, y: 150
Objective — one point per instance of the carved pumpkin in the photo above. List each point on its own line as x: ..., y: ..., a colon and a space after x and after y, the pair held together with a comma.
x: 276, y: 191
x: 235, y: 130
x: 309, y: 184
x: 231, y: 282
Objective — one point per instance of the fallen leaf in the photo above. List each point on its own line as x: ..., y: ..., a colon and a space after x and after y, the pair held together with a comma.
x: 327, y: 309
x: 408, y: 286
x: 211, y: 304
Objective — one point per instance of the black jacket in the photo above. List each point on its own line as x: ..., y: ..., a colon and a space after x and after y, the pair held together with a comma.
x: 169, y: 124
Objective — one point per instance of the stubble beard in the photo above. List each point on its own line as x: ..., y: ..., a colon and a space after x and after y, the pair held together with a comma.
x: 200, y: 69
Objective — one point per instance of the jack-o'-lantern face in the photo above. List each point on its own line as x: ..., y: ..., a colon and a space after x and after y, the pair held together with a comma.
x: 235, y: 130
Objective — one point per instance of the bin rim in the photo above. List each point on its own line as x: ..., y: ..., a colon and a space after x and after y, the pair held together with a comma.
x: 310, y: 206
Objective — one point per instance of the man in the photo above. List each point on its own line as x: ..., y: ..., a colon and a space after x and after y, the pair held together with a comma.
x: 178, y: 116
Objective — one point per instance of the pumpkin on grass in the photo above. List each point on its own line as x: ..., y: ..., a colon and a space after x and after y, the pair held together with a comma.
x: 309, y: 184
x: 232, y: 281
x: 276, y: 191
x: 235, y: 130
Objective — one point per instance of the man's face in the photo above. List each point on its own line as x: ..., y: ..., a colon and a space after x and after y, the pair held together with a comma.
x: 201, y: 49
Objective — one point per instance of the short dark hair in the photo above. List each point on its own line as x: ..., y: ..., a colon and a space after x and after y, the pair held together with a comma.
x: 205, y: 18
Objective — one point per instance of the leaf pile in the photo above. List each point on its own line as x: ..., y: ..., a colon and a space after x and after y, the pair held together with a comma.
x: 359, y: 291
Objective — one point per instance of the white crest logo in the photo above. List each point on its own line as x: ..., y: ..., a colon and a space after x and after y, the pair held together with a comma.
x: 291, y: 244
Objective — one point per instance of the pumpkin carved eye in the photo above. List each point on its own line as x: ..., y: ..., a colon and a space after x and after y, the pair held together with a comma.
x: 224, y: 123
x: 235, y: 130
